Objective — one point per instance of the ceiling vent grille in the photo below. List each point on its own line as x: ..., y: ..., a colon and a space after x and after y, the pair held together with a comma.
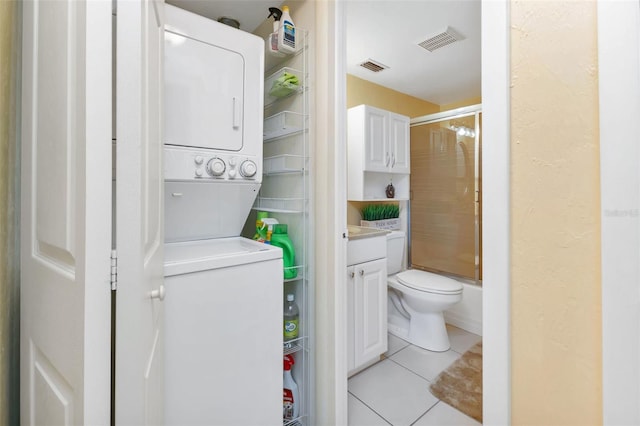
x: 372, y: 65
x: 443, y: 39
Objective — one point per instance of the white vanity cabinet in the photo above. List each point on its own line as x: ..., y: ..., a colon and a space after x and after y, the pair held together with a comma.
x: 367, y: 302
x: 378, y: 153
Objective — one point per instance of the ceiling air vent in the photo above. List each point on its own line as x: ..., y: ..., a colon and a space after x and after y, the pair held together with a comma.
x: 443, y: 39
x: 373, y: 66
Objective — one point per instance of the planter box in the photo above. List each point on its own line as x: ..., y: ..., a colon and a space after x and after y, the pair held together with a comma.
x: 390, y: 224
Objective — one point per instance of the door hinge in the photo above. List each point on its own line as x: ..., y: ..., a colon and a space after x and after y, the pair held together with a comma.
x: 114, y: 270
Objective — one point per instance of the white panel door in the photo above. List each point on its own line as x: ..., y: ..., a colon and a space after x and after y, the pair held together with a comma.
x: 375, y: 140
x: 370, y: 310
x: 66, y: 212
x: 399, y: 143
x: 139, y: 201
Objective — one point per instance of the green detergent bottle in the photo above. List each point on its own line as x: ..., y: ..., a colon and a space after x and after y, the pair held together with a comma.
x: 279, y: 238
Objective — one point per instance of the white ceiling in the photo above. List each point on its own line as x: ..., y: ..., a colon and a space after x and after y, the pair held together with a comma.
x: 388, y: 32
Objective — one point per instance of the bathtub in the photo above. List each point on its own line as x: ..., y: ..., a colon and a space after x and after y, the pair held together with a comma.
x: 467, y: 314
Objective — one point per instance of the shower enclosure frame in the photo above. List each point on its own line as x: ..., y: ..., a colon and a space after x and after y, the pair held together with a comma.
x: 467, y: 111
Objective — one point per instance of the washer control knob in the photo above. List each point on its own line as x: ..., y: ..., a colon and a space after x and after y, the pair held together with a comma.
x: 198, y: 160
x: 216, y: 167
x: 199, y: 172
x: 248, y: 168
x: 232, y: 174
x: 233, y: 162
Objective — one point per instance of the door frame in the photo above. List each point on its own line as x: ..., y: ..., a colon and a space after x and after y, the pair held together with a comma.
x: 619, y: 86
x: 496, y: 214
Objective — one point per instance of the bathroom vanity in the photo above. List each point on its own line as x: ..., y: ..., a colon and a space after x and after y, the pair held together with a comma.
x: 366, y: 297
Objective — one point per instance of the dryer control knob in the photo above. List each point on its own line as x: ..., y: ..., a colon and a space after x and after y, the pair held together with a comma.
x: 232, y: 174
x: 198, y: 160
x: 216, y: 167
x: 248, y: 168
x: 233, y: 162
x: 199, y: 172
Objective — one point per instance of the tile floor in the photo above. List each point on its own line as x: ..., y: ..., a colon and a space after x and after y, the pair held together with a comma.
x: 395, y: 391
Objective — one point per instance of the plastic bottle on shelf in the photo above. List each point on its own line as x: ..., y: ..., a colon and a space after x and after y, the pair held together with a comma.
x: 272, y: 40
x: 261, y: 227
x: 286, y: 33
x: 290, y: 394
x: 279, y: 238
x: 269, y: 222
x: 291, y: 319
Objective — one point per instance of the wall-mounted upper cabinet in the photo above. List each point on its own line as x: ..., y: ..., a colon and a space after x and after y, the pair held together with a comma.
x: 379, y: 152
x: 379, y: 139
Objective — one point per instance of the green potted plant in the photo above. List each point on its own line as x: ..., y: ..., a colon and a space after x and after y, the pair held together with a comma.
x: 381, y: 216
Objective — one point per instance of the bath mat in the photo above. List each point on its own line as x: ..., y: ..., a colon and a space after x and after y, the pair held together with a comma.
x: 460, y: 385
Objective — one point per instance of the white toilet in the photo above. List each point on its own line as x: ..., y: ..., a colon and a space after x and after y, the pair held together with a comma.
x: 417, y: 300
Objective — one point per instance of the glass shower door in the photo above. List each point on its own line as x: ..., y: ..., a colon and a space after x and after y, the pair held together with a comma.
x: 445, y: 197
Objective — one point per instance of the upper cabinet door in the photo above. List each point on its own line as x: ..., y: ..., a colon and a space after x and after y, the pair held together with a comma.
x: 399, y: 143
x: 377, y: 157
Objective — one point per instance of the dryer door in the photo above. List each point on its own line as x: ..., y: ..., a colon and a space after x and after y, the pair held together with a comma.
x: 204, y: 94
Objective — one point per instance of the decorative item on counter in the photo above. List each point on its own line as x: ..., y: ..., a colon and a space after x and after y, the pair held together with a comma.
x: 279, y: 238
x: 284, y: 85
x: 381, y: 216
x: 290, y: 395
x: 390, y: 191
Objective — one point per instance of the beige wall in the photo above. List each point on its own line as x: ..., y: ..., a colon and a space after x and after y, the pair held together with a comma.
x: 466, y: 102
x: 555, y: 203
x: 361, y: 91
x: 9, y: 290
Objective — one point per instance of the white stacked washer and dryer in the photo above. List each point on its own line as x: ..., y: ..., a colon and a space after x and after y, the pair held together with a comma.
x: 223, y: 306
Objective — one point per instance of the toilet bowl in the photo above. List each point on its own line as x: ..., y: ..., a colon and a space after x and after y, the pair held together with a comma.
x: 417, y: 300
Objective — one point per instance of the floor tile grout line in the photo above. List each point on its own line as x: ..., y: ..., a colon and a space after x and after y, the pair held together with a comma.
x: 425, y: 413
x: 410, y: 370
x: 367, y: 405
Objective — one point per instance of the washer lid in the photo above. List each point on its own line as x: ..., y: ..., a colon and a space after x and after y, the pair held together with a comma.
x: 194, y: 256
x: 429, y: 282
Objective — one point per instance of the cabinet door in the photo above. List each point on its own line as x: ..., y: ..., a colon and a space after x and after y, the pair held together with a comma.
x: 399, y: 143
x: 376, y: 153
x: 370, y: 310
x: 350, y: 319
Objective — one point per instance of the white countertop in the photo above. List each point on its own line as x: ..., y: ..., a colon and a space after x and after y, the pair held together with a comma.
x: 358, y: 232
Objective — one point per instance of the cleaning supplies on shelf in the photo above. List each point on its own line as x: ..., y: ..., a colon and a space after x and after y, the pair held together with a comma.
x: 272, y: 41
x: 269, y: 222
x: 261, y: 227
x: 284, y: 85
x: 290, y: 394
x: 286, y: 32
x: 279, y: 238
x: 291, y: 319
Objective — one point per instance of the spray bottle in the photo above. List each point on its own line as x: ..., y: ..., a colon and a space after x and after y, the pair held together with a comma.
x: 286, y: 33
x: 290, y: 395
x: 269, y: 222
x: 272, y: 41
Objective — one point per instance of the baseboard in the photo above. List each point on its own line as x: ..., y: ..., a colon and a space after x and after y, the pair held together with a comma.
x: 464, y: 322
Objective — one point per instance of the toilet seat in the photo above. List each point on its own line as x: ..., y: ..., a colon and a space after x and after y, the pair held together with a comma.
x: 429, y: 282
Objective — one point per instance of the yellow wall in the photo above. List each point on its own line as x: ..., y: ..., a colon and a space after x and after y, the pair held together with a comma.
x: 361, y: 91
x: 466, y: 102
x: 9, y: 290
x: 555, y: 204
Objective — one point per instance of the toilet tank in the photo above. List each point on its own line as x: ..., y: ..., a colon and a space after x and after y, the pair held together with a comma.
x: 395, y: 251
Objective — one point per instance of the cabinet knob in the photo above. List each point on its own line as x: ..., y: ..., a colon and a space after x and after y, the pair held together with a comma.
x: 353, y: 274
x: 361, y: 272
